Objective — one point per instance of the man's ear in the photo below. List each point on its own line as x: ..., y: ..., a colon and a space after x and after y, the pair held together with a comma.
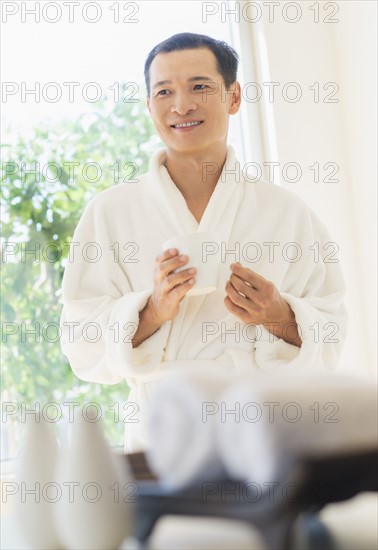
x: 236, y: 98
x: 148, y: 104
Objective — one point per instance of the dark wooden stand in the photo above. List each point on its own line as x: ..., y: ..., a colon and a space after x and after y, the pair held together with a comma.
x: 303, y: 488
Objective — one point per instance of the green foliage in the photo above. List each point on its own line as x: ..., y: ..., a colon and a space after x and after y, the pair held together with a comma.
x: 40, y: 212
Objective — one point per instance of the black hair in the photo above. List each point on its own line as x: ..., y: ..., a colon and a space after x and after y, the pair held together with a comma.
x: 227, y: 58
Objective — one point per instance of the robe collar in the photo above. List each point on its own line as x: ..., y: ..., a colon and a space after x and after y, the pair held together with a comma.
x: 223, y: 204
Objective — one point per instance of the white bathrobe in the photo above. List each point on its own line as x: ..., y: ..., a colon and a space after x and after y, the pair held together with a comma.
x: 109, y: 278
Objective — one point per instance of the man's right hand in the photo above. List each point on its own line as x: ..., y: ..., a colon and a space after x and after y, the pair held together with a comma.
x: 169, y: 287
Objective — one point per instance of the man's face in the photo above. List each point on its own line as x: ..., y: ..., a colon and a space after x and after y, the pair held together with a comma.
x: 185, y: 86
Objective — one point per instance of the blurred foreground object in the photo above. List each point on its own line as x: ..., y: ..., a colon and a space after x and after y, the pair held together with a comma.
x: 35, y: 509
x: 183, y: 446
x: 99, y: 513
x: 315, y: 444
x: 78, y: 496
x: 266, y: 423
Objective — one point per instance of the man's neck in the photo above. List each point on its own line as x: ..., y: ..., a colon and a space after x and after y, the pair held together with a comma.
x: 196, y: 175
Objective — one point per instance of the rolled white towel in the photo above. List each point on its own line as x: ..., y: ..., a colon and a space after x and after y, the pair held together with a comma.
x: 293, y: 416
x: 181, y: 429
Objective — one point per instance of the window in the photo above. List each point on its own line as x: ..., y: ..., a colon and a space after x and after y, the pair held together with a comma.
x: 74, y: 123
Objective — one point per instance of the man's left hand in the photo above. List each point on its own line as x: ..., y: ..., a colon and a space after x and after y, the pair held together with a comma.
x: 255, y: 300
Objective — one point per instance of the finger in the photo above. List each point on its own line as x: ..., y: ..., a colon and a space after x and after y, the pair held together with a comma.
x: 244, y: 288
x: 251, y: 277
x: 166, y: 267
x: 176, y: 293
x: 244, y: 282
x: 236, y: 297
x: 244, y: 302
x: 181, y: 290
x: 178, y: 279
x: 170, y: 253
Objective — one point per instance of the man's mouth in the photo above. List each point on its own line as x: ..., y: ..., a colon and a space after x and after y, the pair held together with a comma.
x: 187, y: 124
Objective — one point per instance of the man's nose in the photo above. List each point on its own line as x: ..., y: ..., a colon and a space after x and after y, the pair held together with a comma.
x: 183, y: 105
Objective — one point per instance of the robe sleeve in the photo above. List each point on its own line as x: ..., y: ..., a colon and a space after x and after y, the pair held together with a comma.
x: 316, y: 296
x: 101, y: 311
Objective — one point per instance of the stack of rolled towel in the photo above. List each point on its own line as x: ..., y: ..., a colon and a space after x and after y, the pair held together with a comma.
x: 183, y: 438
x: 202, y: 426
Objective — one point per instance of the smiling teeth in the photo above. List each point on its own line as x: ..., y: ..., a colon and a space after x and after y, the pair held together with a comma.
x: 185, y: 124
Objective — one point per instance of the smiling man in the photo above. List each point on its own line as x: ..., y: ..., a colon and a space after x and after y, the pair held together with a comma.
x: 278, y: 304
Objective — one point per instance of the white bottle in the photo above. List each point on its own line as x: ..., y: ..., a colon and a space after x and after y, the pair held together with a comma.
x: 38, y: 490
x: 96, y: 511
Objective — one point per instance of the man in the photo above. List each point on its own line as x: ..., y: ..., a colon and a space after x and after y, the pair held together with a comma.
x: 278, y: 304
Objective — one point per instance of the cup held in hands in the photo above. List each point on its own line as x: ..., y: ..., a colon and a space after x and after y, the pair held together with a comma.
x: 203, y: 250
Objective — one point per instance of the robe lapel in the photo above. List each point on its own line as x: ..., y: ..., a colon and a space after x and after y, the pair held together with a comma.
x: 171, y: 199
x: 221, y: 211
x: 220, y: 216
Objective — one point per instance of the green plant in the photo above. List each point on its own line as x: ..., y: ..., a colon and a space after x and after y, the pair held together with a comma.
x: 73, y: 161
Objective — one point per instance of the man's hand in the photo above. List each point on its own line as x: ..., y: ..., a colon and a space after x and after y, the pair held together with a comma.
x: 256, y: 300
x: 170, y: 287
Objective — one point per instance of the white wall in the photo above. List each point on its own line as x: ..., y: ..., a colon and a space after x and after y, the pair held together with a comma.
x: 345, y: 133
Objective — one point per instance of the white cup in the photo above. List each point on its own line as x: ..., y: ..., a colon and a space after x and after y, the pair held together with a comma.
x: 203, y: 249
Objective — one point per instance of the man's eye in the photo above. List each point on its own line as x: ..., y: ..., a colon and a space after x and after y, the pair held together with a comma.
x: 203, y: 86
x: 161, y: 92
